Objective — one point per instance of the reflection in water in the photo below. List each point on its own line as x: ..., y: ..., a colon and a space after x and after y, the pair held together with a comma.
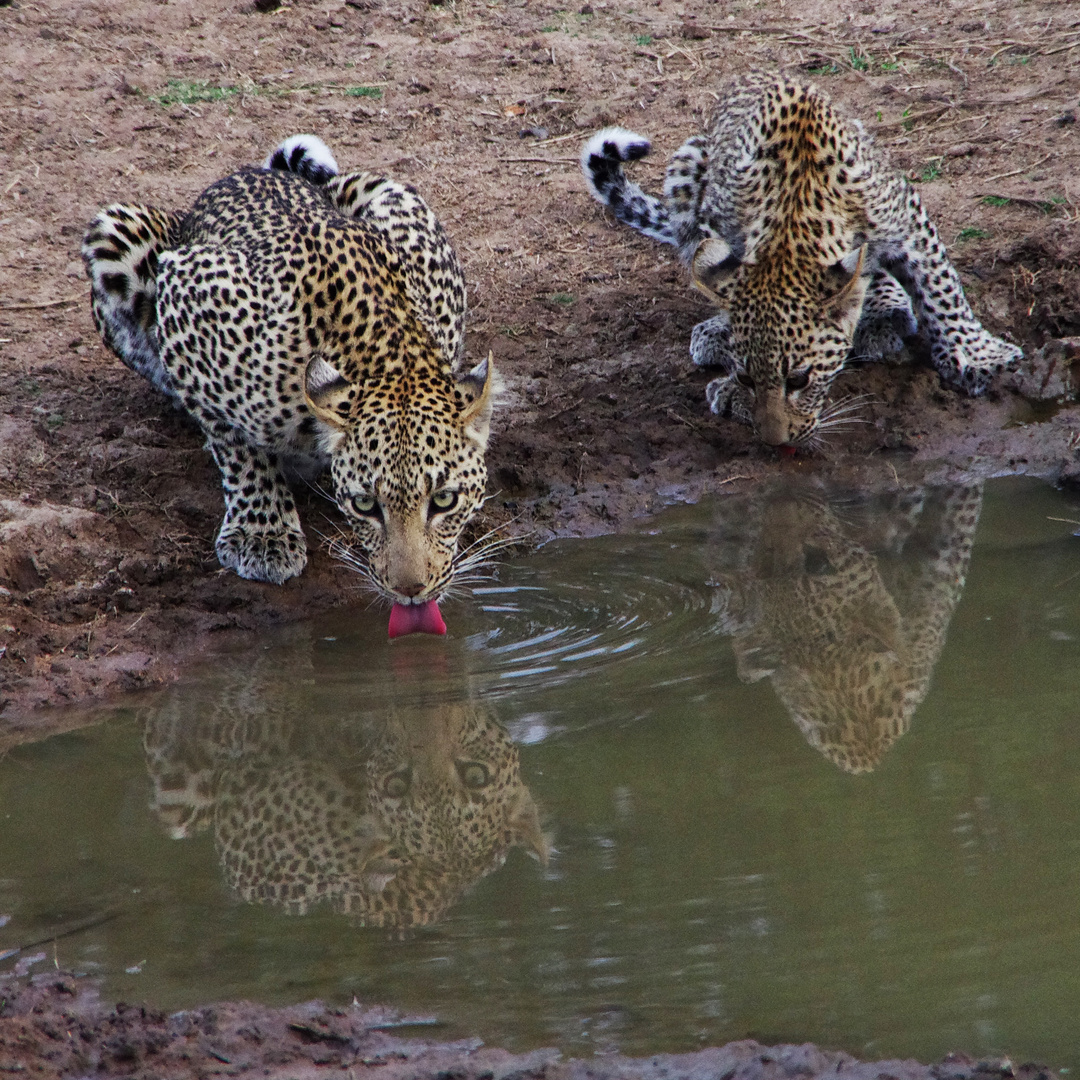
x: 843, y: 604
x: 387, y: 814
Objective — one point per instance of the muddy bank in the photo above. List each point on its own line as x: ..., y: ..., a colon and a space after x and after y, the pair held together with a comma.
x: 108, y: 503
x: 54, y: 1026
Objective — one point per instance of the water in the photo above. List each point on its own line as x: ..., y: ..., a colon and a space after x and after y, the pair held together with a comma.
x: 803, y: 766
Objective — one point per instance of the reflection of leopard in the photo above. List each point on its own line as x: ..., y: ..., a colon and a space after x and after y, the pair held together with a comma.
x: 845, y: 609
x: 389, y: 820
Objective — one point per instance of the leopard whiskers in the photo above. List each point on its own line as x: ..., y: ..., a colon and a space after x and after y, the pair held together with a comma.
x: 316, y: 486
x: 474, y: 557
x: 841, y: 415
x: 341, y: 549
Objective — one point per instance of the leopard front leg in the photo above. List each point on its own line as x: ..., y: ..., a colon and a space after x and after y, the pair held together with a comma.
x: 710, y: 344
x: 260, y: 538
x: 728, y: 399
x: 965, y: 355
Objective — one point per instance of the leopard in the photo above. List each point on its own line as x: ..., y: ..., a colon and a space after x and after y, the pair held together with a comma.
x: 310, y: 320
x: 387, y: 816
x: 844, y: 604
x: 814, y: 251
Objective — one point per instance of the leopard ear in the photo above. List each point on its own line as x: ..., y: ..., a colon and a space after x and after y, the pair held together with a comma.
x: 844, y: 307
x: 713, y: 266
x: 477, y: 390
x: 329, y: 396
x: 525, y: 829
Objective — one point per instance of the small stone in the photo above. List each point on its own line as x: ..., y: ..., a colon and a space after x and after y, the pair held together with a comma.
x: 1049, y: 373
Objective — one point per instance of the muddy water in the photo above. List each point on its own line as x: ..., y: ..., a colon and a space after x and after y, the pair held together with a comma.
x: 804, y: 766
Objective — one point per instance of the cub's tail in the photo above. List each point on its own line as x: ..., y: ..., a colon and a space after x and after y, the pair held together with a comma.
x: 307, y: 156
x: 121, y: 250
x: 602, y: 160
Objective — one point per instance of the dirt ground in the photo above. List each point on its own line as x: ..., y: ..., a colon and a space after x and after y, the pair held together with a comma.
x: 54, y: 1026
x: 108, y: 503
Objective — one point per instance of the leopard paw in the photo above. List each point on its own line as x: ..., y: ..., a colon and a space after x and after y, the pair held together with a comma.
x: 710, y: 344
x: 970, y: 363
x: 727, y: 398
x: 261, y: 556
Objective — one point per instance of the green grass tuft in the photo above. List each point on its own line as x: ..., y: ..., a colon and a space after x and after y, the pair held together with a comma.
x: 931, y: 171
x: 363, y: 91
x: 192, y: 91
x: 971, y: 234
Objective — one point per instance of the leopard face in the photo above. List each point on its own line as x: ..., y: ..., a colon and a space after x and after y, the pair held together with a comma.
x: 407, y: 480
x: 790, y: 327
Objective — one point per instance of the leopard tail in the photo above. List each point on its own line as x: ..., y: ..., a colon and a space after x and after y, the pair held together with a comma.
x: 307, y: 156
x: 602, y: 161
x: 120, y: 250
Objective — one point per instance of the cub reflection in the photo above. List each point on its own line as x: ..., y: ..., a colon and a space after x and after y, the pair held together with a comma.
x: 844, y: 603
x: 388, y: 818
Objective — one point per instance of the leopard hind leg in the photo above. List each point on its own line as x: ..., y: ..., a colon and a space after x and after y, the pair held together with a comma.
x: 684, y: 185
x: 121, y: 250
x: 965, y: 354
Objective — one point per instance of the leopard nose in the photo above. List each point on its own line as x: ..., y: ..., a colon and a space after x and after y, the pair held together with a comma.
x: 410, y: 589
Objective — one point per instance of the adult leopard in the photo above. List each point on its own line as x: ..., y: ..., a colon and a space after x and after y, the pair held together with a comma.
x: 306, y: 318
x: 809, y: 244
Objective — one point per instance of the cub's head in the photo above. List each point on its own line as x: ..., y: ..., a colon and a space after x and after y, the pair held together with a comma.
x: 789, y: 332
x: 407, y: 458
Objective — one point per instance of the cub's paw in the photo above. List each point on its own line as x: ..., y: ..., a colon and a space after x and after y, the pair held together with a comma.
x: 970, y: 363
x: 876, y: 341
x: 710, y: 344
x: 727, y: 398
x: 261, y: 556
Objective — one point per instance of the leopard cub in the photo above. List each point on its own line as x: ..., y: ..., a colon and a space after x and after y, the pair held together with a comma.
x: 812, y: 248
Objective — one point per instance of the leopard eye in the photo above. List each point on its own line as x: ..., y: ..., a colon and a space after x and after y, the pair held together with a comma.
x: 799, y: 381
x: 744, y: 379
x: 365, y: 505
x: 442, y: 501
x: 397, y: 784
x: 473, y: 774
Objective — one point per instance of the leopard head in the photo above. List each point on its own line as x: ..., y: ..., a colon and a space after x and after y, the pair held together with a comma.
x: 407, y: 459
x: 789, y: 333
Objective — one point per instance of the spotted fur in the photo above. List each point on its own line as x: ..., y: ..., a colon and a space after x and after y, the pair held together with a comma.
x: 790, y: 220
x: 309, y: 319
x: 389, y: 817
x: 844, y: 606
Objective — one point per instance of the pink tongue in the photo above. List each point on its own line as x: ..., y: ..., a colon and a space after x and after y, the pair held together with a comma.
x: 416, y: 619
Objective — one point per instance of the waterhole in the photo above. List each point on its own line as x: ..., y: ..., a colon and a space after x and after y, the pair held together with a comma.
x: 802, y: 765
